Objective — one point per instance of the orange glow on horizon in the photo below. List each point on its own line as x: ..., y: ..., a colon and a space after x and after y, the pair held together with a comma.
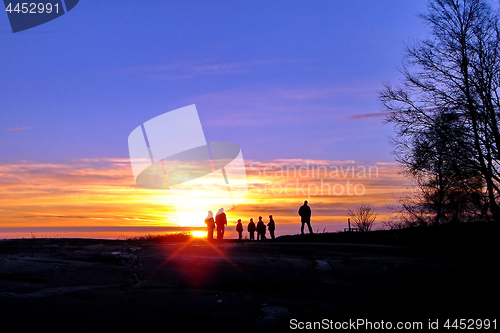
x: 102, y: 193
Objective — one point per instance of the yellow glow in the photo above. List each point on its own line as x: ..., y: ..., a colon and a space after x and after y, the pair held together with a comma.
x: 198, y: 234
x: 190, y: 218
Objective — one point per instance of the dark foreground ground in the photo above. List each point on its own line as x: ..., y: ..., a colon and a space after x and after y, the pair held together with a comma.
x: 78, y: 285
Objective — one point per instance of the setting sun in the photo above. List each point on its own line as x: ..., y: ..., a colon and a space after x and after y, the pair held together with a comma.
x: 198, y: 234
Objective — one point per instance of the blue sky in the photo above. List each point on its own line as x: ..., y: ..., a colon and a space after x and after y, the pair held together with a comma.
x: 283, y: 79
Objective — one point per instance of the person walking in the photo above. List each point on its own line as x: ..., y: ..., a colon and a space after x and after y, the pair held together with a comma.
x: 220, y: 221
x: 305, y: 217
x: 271, y: 226
x: 209, y: 221
x: 239, y: 228
x: 261, y: 229
x: 251, y: 229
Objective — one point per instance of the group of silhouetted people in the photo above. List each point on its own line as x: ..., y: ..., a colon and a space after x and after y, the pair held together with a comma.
x: 220, y: 223
x: 260, y: 228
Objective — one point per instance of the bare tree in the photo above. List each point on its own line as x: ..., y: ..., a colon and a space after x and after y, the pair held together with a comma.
x: 447, y: 190
x: 447, y: 111
x: 363, y: 217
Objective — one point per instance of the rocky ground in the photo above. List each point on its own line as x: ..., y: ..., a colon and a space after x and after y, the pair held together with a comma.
x: 85, y: 285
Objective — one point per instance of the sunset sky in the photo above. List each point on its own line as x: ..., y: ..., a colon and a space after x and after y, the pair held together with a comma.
x: 293, y: 83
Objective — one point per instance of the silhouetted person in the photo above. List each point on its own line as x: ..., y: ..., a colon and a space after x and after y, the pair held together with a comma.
x: 210, y: 222
x: 239, y: 228
x: 271, y: 226
x: 220, y: 221
x: 261, y: 229
x: 305, y: 217
x: 251, y: 229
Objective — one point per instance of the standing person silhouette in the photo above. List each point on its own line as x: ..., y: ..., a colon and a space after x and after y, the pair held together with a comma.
x: 251, y: 229
x: 261, y: 229
x: 239, y: 228
x: 305, y: 217
x: 271, y: 226
x: 220, y: 221
x: 209, y: 221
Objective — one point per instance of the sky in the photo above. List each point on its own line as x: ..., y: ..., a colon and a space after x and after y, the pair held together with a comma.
x: 291, y: 82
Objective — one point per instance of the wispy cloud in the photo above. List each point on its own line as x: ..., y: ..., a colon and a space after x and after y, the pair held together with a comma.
x: 17, y: 128
x: 366, y: 116
x: 186, y: 70
x: 275, y: 105
x: 102, y: 192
